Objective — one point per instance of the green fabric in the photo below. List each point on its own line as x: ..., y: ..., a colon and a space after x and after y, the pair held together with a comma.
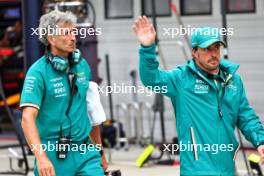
x: 195, y: 101
x: 49, y: 91
x: 77, y: 163
x: 205, y: 36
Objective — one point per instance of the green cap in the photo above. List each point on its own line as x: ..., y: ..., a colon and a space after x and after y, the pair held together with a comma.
x: 205, y: 36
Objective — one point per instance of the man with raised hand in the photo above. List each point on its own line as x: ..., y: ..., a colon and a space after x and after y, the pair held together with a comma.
x: 209, y: 99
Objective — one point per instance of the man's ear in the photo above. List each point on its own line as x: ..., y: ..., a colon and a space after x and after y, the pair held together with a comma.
x: 194, y: 53
x: 51, y: 40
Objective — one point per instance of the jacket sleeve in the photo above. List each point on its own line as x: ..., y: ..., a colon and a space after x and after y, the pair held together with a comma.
x: 248, y: 122
x: 33, y: 89
x: 95, y: 109
x: 167, y: 82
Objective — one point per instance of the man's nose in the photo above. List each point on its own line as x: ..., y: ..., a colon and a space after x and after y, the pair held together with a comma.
x: 214, y: 53
x: 73, y: 37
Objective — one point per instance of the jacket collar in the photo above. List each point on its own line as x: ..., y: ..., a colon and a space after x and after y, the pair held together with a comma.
x: 229, y: 68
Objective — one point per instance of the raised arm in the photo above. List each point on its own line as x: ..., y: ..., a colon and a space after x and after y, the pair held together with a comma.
x: 168, y: 82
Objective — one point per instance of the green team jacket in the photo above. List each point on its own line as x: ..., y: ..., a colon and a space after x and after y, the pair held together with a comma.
x: 205, y: 122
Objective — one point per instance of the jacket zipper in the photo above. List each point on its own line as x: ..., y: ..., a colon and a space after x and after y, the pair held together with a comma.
x: 219, y: 109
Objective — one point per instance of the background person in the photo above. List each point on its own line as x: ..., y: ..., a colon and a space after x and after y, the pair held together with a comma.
x: 54, y: 103
x: 96, y: 116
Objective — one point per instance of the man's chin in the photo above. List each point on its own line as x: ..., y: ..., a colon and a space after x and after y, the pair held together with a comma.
x: 213, y: 66
x: 213, y: 69
x: 69, y: 50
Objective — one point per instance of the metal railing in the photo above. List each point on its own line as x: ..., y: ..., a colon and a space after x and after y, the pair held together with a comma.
x: 133, y: 120
x: 121, y: 107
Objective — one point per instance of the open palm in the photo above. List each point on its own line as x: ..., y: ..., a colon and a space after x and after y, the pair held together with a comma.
x: 144, y: 30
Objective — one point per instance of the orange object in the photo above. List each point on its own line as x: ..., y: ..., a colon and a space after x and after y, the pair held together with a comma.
x: 11, y: 100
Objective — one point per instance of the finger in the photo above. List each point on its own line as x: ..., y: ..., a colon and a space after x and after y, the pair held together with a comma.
x: 261, y: 152
x: 145, y: 19
x: 152, y: 29
x: 140, y: 22
x: 52, y: 171
x: 135, y: 29
x: 104, y: 168
x: 40, y: 173
x: 139, y: 18
x: 137, y: 24
x: 43, y: 172
x: 46, y: 172
x: 261, y: 161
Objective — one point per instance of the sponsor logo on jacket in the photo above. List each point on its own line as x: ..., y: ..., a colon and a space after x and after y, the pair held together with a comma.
x: 200, y: 87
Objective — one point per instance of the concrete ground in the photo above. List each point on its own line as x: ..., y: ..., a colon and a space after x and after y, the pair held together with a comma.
x: 126, y: 162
